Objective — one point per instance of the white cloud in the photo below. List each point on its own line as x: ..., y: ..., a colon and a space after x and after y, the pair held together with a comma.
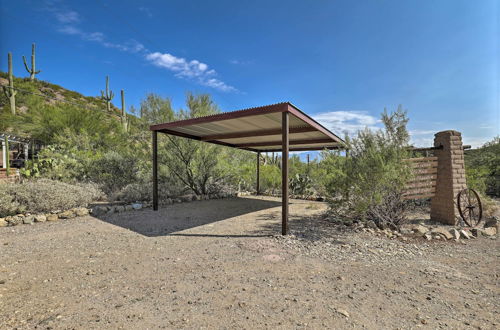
x: 131, y: 46
x: 67, y: 16
x: 146, y: 11
x: 193, y: 69
x: 347, y: 121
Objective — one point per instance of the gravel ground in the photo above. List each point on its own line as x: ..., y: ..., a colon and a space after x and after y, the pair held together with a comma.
x: 219, y: 264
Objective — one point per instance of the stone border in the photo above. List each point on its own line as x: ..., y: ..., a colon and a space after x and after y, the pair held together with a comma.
x: 97, y: 210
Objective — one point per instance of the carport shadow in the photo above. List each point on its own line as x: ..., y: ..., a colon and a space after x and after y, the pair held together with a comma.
x: 172, y: 219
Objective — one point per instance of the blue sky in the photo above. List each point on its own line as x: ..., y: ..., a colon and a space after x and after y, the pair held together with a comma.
x: 340, y: 61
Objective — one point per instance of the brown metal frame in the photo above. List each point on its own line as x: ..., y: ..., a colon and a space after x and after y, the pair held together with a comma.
x: 285, y: 109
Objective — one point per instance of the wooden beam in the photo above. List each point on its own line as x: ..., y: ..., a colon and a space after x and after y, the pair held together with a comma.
x: 301, y: 149
x: 277, y: 143
x: 284, y: 172
x: 155, y: 170
x: 264, y: 132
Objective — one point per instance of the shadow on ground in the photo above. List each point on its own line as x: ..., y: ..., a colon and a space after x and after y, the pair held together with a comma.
x: 173, y: 219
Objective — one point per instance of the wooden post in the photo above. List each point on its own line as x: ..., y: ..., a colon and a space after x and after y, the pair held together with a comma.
x: 258, y: 173
x: 284, y: 173
x: 155, y: 170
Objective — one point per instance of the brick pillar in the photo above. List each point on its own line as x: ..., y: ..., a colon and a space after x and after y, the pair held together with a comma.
x: 450, y: 176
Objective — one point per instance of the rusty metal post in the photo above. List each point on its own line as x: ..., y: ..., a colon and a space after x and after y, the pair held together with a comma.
x: 284, y: 172
x: 155, y: 170
x: 258, y: 173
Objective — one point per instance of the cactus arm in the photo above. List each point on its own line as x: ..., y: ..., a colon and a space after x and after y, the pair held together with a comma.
x: 111, y: 95
x: 26, y: 65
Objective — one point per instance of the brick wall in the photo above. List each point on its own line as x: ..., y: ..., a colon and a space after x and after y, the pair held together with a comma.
x: 450, y: 176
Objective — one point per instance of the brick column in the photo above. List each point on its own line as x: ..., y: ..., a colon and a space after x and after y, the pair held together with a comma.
x: 450, y: 176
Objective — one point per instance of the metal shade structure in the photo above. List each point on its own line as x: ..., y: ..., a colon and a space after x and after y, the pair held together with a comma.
x: 280, y: 127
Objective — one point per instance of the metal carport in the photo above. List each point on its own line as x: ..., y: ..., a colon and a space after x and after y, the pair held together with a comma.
x: 280, y: 127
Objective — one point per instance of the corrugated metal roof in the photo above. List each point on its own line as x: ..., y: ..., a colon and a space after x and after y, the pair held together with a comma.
x: 255, y: 129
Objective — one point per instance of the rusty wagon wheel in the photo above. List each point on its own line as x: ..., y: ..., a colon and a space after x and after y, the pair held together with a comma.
x: 469, y: 207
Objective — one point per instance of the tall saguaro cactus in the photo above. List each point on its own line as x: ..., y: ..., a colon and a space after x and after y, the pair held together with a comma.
x: 9, y: 91
x: 108, y: 95
x: 31, y: 71
x: 124, y: 114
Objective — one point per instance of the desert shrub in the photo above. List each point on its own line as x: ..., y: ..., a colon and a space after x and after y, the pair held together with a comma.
x: 44, y: 196
x: 301, y: 185
x: 483, y: 168
x: 113, y: 171
x: 368, y: 185
x: 141, y: 192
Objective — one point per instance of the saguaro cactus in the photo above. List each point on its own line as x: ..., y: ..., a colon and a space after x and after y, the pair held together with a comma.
x: 31, y: 71
x: 108, y: 95
x: 9, y: 91
x: 124, y: 114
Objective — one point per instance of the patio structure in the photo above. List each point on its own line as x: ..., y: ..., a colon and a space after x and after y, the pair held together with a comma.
x: 280, y: 127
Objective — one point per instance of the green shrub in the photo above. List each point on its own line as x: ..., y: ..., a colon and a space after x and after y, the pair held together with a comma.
x: 44, y: 196
x: 368, y: 185
x: 113, y: 171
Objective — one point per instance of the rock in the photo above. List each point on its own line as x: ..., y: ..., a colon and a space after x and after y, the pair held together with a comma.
x: 343, y: 312
x: 428, y: 236
x: 137, y: 206
x: 419, y: 229
x: 464, y: 234
x: 81, y: 211
x: 490, y: 231
x: 370, y: 224
x: 99, y: 210
x: 120, y: 208
x: 14, y: 220
x: 455, y: 233
x: 52, y: 217
x: 40, y: 218
x: 28, y: 220
x: 442, y: 231
x: 111, y: 209
x: 476, y: 232
x: 492, y: 222
x: 66, y: 214
x: 3, y: 223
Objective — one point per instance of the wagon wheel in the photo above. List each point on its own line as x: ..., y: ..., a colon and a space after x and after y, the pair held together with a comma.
x: 469, y: 207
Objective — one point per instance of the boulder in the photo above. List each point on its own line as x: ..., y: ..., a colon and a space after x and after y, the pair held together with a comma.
x: 137, y: 206
x: 3, y: 223
x: 492, y: 222
x: 81, y: 211
x: 442, y: 231
x: 99, y: 210
x: 66, y: 214
x: 40, y: 218
x: 14, y: 220
x: 28, y: 220
x: 419, y: 229
x: 464, y: 234
x: 490, y: 231
x: 120, y: 208
x: 52, y: 217
x: 455, y: 233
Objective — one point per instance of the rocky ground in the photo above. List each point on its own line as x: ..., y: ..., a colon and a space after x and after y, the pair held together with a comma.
x: 221, y: 264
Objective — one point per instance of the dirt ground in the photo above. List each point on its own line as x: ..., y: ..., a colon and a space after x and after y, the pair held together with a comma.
x: 221, y: 265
